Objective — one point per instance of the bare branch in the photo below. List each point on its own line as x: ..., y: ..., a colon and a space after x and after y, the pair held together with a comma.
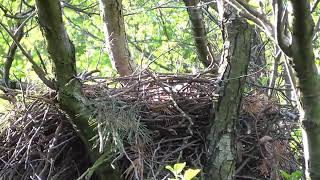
x: 10, y: 55
x: 148, y: 55
x: 257, y: 22
x: 261, y: 17
x: 275, y: 33
x: 13, y: 47
x: 316, y: 30
x: 274, y: 74
x: 36, y: 68
x: 27, y: 4
x: 85, y: 32
x: 253, y: 15
x: 82, y: 10
x: 8, y: 14
x: 41, y: 60
x: 314, y: 6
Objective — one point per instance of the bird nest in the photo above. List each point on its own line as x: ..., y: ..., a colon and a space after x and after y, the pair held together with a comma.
x: 160, y: 120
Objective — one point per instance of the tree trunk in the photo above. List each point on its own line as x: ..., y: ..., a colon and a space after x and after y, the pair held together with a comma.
x: 308, y: 83
x: 203, y: 48
x: 70, y: 95
x: 221, y: 138
x: 115, y: 36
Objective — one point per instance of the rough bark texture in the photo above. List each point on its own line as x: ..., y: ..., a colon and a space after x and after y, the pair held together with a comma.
x: 221, y: 138
x: 115, y: 36
x: 60, y: 47
x: 308, y: 83
x: 69, y: 88
x: 199, y: 32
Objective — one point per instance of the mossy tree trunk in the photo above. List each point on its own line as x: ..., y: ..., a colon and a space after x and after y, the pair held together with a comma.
x: 308, y: 83
x: 298, y: 47
x: 69, y: 89
x: 221, y: 138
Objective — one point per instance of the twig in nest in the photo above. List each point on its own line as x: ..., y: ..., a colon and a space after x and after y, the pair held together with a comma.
x: 242, y: 165
x: 49, y: 160
x: 169, y: 92
x: 34, y: 135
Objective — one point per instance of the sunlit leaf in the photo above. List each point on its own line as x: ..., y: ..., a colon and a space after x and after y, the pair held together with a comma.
x: 179, y: 167
x: 170, y: 169
x: 190, y: 173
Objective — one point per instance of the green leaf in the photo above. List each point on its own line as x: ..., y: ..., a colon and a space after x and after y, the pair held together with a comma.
x: 170, y: 169
x: 285, y: 175
x: 250, y: 22
x: 179, y: 167
x: 293, y: 176
x: 296, y: 175
x: 254, y: 3
x: 190, y: 173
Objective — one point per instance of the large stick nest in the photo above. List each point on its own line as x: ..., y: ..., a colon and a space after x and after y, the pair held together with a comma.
x: 159, y: 119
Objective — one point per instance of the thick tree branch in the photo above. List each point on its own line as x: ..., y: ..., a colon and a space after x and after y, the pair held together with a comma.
x: 10, y: 55
x: 281, y: 39
x: 199, y: 32
x: 12, y: 50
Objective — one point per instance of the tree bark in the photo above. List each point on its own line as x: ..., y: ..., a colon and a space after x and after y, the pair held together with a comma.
x: 308, y: 84
x: 10, y: 55
x: 69, y: 89
x: 203, y: 47
x: 115, y: 36
x: 221, y: 138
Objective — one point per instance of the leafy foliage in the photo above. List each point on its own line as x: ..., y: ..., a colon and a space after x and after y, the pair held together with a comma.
x: 297, y: 175
x: 177, y: 169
